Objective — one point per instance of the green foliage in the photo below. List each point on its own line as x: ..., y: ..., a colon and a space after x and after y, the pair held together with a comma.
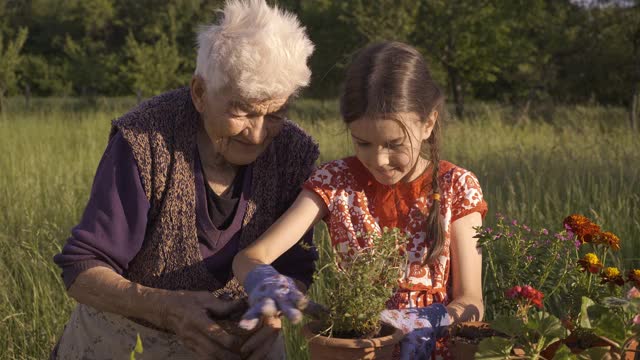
x: 91, y: 69
x: 357, y: 286
x: 152, y: 68
x: 517, y: 255
x: 383, y: 19
x: 580, y: 160
x: 494, y: 348
x: 563, y: 353
x: 613, y: 319
x: 600, y: 314
x: 471, y: 40
x: 45, y: 77
x: 532, y: 335
x: 526, y: 52
x: 329, y: 27
x: 10, y: 59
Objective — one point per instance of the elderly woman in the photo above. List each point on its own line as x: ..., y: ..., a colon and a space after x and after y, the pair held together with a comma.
x: 187, y: 180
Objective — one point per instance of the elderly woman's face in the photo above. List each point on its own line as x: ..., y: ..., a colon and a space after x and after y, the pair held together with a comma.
x: 241, y: 130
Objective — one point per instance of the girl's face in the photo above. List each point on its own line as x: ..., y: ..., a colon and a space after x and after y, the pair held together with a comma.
x: 390, y: 147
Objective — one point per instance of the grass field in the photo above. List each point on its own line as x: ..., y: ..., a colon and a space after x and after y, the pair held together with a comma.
x: 579, y: 159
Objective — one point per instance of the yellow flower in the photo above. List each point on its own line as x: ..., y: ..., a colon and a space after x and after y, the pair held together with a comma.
x: 634, y: 276
x: 611, y: 272
x: 590, y: 262
x: 592, y: 259
x: 612, y: 275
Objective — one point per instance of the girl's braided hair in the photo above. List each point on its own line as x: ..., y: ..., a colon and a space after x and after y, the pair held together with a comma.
x: 389, y: 78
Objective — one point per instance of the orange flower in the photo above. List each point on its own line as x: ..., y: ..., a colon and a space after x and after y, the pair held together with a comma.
x: 591, y: 263
x: 582, y: 227
x: 634, y: 276
x: 612, y: 275
x: 609, y: 239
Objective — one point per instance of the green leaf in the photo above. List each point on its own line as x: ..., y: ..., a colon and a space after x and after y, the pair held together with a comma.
x: 563, y: 353
x: 509, y: 326
x: 494, y: 348
x: 137, y: 349
x: 547, y: 326
x: 595, y: 353
x: 583, y: 318
x: 610, y: 326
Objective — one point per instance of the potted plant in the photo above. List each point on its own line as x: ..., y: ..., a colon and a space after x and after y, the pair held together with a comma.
x: 355, y: 290
x: 515, y: 254
x: 528, y: 333
x: 605, y: 316
x: 598, y: 322
x: 465, y: 337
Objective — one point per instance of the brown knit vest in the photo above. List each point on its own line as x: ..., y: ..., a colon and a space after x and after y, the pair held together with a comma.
x: 162, y: 136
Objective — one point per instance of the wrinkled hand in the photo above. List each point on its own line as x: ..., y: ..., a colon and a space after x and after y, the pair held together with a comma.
x: 421, y: 326
x: 270, y: 292
x: 261, y: 343
x: 189, y: 315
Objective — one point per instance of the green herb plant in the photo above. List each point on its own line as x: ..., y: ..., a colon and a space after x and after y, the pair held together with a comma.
x: 358, y: 285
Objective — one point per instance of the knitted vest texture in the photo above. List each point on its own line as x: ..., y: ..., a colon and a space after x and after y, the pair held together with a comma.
x: 162, y: 136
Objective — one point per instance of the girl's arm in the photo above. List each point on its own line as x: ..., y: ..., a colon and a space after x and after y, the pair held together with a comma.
x: 304, y: 213
x: 466, y: 270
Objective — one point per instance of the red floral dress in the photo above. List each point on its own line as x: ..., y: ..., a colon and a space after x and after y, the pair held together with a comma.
x: 358, y: 204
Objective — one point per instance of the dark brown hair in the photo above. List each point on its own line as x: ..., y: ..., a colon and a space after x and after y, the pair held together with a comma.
x: 389, y: 78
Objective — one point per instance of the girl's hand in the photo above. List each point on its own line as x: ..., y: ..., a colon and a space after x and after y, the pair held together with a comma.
x: 421, y: 326
x: 189, y: 314
x: 270, y: 293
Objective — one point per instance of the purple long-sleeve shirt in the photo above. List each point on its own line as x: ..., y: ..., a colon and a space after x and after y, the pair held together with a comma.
x: 112, y: 228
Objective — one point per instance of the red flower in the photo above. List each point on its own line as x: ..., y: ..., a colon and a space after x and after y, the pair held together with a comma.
x: 526, y: 292
x: 513, y: 292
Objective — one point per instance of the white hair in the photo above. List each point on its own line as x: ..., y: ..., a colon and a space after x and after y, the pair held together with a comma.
x: 259, y: 51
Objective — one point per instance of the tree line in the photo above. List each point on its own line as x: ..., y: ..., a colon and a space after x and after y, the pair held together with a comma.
x: 514, y: 51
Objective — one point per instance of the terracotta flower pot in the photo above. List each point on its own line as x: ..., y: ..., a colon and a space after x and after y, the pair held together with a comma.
x: 329, y: 348
x: 464, y: 338
x: 631, y: 350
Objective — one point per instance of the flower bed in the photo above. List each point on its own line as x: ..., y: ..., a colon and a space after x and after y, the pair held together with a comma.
x: 555, y: 294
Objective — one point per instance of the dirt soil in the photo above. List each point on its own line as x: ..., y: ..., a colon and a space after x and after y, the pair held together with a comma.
x: 472, y: 333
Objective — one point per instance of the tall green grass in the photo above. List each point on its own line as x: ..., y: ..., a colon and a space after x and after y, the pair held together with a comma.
x: 579, y: 160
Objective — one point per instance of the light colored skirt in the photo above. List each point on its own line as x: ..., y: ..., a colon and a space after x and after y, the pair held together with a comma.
x: 91, y: 334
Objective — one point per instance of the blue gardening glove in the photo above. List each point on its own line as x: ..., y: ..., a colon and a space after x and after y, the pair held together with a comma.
x: 421, y: 326
x: 270, y: 292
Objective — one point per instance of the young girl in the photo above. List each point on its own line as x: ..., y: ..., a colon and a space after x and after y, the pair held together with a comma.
x: 391, y: 106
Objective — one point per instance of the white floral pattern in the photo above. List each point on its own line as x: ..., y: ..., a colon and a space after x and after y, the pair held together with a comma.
x: 358, y: 205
